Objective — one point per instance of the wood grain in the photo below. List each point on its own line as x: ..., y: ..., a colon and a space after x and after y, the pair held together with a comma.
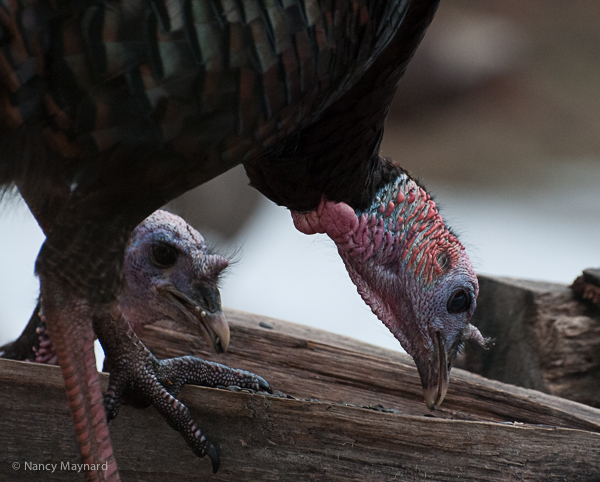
x: 544, y: 338
x: 270, y: 439
x: 265, y: 438
x: 310, y: 363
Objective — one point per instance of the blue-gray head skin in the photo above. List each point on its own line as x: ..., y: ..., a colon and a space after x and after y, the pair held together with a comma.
x: 411, y: 270
x: 170, y: 273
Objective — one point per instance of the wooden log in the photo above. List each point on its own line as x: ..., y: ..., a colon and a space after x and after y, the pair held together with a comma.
x: 587, y: 286
x: 309, y: 363
x: 263, y: 438
x: 544, y: 338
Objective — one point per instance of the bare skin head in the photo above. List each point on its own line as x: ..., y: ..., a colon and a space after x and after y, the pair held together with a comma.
x: 410, y: 269
x: 170, y: 273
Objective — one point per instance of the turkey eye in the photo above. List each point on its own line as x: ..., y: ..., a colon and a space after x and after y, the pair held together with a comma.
x: 459, y: 302
x: 164, y: 256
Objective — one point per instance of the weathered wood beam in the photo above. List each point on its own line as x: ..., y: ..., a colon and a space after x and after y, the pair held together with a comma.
x: 311, y: 363
x: 544, y: 338
x: 272, y: 439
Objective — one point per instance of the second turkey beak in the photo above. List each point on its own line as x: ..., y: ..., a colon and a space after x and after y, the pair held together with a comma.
x: 212, y: 326
x: 215, y: 330
x: 434, y: 372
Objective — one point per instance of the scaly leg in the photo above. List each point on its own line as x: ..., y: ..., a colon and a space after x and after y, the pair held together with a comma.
x: 70, y: 324
x: 136, y: 375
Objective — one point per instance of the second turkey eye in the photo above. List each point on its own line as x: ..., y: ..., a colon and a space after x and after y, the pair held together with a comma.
x: 459, y: 302
x: 164, y: 256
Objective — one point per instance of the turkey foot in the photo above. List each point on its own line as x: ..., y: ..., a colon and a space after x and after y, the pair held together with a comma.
x: 139, y: 378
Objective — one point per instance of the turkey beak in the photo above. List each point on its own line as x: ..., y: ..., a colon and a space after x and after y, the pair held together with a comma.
x: 215, y: 330
x: 213, y: 326
x: 435, y: 373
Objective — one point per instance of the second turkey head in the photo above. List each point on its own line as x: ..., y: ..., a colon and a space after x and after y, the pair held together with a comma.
x: 171, y: 274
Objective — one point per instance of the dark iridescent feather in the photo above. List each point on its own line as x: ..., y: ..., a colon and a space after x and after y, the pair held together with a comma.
x: 110, y: 109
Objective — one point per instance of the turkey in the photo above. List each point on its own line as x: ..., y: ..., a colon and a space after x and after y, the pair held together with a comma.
x: 166, y: 260
x: 169, y: 273
x: 110, y: 109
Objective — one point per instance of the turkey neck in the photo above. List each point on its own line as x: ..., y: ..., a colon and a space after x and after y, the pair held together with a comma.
x: 401, y: 231
x: 395, y: 250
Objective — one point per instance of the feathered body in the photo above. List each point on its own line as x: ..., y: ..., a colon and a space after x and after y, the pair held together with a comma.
x: 109, y: 109
x: 131, y: 103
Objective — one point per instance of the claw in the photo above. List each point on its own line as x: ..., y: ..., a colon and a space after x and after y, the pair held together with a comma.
x: 263, y: 384
x: 138, y: 378
x: 213, y: 455
x: 111, y: 407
